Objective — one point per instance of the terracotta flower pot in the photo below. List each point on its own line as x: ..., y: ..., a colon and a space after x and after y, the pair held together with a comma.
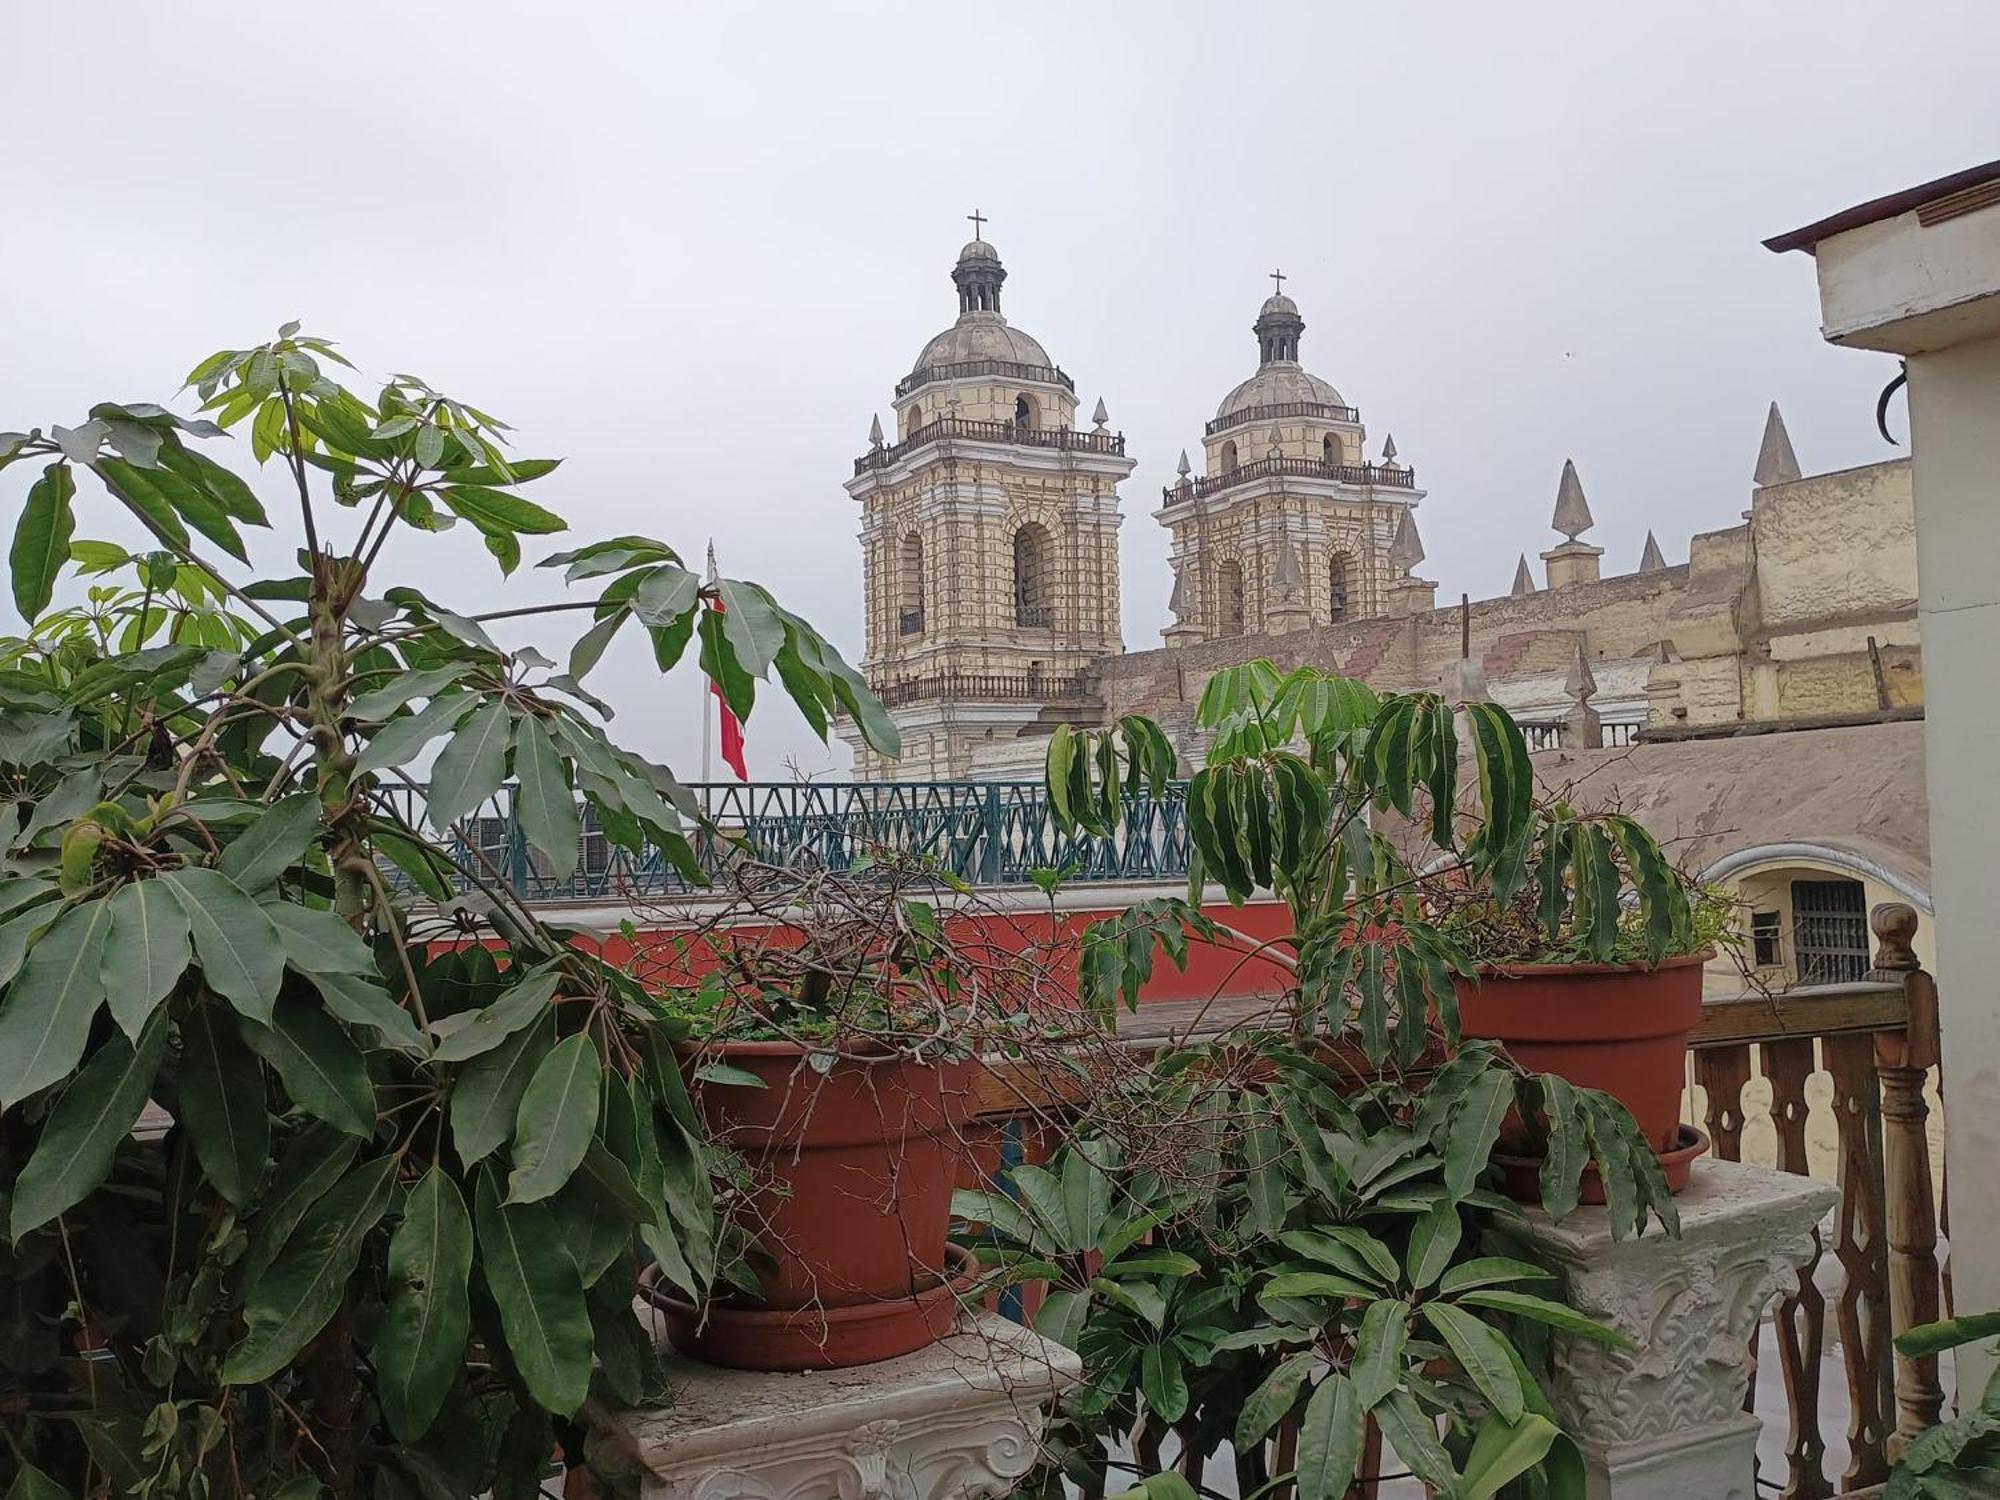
x: 1523, y: 1174
x: 853, y: 1171
x: 1621, y: 1028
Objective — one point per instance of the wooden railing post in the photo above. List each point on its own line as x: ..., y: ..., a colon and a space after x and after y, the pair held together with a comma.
x: 1903, y: 1059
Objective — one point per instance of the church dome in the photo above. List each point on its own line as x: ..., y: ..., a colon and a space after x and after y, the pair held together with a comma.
x: 980, y: 332
x: 981, y: 335
x: 1280, y: 378
x: 1277, y: 383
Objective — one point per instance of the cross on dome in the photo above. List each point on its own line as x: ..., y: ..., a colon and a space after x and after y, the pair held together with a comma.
x: 1278, y: 280
x: 979, y: 220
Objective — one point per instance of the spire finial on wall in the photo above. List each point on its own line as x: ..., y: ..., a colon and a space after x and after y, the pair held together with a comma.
x: 1100, y: 416
x: 1652, y: 560
x: 1182, y: 467
x: 1524, y: 581
x: 1581, y: 682
x: 1572, y: 517
x: 1776, y: 462
x: 1389, y: 449
x: 875, y: 431
x: 1407, y: 550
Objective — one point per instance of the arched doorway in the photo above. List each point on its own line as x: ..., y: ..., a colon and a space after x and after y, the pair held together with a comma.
x: 1034, y: 585
x: 1229, y: 596
x: 1026, y: 414
x: 1338, y: 574
x: 1331, y: 450
x: 1229, y: 457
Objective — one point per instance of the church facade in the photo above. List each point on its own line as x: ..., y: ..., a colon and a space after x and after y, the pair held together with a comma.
x: 1757, y: 704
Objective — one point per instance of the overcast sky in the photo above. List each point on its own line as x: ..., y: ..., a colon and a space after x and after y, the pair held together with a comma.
x: 691, y: 248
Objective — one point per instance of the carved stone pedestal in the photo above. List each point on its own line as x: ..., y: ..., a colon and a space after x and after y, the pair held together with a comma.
x: 1665, y: 1420
x: 957, y: 1421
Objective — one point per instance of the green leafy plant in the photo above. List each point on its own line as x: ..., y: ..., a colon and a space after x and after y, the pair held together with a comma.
x: 1300, y: 770
x: 381, y: 1235
x: 1959, y: 1459
x: 1312, y: 1264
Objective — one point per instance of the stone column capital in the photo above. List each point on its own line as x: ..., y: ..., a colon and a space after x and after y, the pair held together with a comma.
x: 962, y: 1418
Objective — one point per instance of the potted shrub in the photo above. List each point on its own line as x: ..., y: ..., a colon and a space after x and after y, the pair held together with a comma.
x: 381, y: 1237
x: 832, y: 1051
x: 1589, y: 949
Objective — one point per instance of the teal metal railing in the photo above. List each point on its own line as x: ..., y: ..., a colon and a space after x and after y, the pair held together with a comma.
x: 989, y: 833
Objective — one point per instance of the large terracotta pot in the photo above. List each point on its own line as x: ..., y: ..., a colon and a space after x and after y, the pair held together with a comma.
x: 1621, y: 1028
x: 854, y: 1170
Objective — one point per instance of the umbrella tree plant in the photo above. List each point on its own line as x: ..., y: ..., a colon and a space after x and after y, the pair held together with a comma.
x: 412, y: 1138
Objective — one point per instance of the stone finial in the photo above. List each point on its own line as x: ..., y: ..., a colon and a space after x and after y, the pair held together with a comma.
x: 1581, y: 682
x: 1182, y: 468
x: 1524, y: 581
x: 1894, y: 924
x: 1407, y: 550
x: 1572, y: 517
x: 1100, y: 416
x: 875, y: 431
x: 1776, y: 463
x: 1286, y: 575
x: 1652, y: 560
x: 1389, y: 449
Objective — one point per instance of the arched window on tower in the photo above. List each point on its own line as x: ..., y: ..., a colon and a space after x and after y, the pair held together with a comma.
x: 910, y: 610
x: 916, y: 416
x: 1229, y: 457
x: 1034, y: 585
x: 1025, y: 413
x: 1229, y: 596
x: 1337, y: 573
x: 1332, y: 451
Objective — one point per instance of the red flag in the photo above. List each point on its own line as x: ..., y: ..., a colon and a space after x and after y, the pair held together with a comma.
x: 732, y: 727
x: 732, y: 730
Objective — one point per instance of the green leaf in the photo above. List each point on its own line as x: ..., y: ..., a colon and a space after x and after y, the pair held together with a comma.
x: 311, y: 1165
x: 95, y: 1113
x: 1488, y: 1270
x: 470, y: 768
x: 1433, y: 1241
x: 755, y: 631
x: 221, y: 1098
x: 1163, y: 1382
x: 1541, y: 1310
x: 1266, y: 1406
x: 399, y: 741
x: 536, y: 1287
x: 159, y: 494
x: 1320, y: 1284
x: 497, y: 512
x: 359, y: 1002
x: 317, y: 942
x: 1086, y: 1183
x: 1413, y: 1435
x: 553, y: 1126
x: 1475, y: 1128
x: 1331, y: 1435
x: 271, y: 845
x: 385, y: 700
x: 543, y: 801
x: 30, y: 1483
x: 1377, y: 1368
x: 1502, y: 1451
x: 487, y: 1096
x: 293, y: 1299
x: 1948, y: 1333
x: 41, y: 540
x: 420, y: 1346
x: 241, y: 954
x: 590, y: 646
x: 45, y: 1019
x: 1568, y: 1150
x: 323, y: 1070
x: 1481, y: 1353
x: 524, y: 1000
x: 146, y: 952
